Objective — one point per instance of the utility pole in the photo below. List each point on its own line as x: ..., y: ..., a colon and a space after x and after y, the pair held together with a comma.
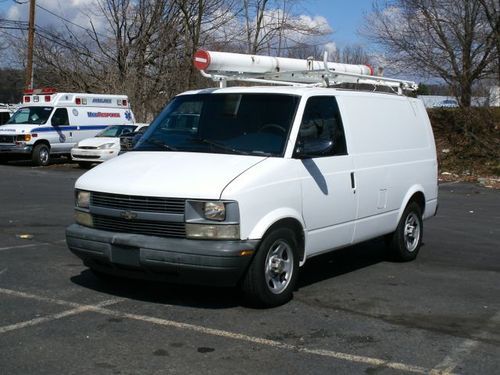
x: 31, y: 36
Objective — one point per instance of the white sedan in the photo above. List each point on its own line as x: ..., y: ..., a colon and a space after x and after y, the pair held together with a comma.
x: 104, y: 146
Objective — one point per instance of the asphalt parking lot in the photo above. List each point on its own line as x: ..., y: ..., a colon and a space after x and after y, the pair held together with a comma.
x: 354, y: 312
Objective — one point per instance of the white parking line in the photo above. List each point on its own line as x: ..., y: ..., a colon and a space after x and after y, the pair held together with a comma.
x: 462, y: 351
x: 56, y: 316
x: 224, y: 334
x: 31, y: 245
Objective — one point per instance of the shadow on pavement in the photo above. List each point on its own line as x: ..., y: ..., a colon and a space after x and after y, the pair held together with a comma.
x: 339, y: 262
x: 317, y: 269
x: 160, y: 292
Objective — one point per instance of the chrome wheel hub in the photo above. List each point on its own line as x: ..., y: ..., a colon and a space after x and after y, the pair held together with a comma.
x: 44, y: 155
x: 411, y: 232
x: 279, y: 266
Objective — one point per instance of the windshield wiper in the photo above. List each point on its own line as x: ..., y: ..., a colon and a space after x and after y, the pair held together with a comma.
x: 222, y: 146
x: 157, y: 142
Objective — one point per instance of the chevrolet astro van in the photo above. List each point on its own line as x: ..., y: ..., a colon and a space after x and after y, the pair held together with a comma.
x: 242, y: 185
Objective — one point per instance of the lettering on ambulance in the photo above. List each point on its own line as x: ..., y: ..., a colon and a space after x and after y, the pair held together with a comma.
x: 101, y: 100
x: 103, y: 114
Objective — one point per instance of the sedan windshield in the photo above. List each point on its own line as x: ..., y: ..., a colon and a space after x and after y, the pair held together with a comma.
x: 245, y: 124
x: 31, y: 115
x: 116, y: 130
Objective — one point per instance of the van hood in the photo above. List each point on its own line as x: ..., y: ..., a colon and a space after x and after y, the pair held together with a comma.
x: 8, y: 129
x: 167, y: 174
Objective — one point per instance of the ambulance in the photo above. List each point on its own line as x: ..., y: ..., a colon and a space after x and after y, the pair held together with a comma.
x: 243, y: 185
x: 50, y: 123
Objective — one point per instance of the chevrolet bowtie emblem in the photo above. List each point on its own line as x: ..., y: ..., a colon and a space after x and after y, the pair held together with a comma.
x: 128, y: 215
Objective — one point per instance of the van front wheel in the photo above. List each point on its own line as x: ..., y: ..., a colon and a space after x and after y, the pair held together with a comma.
x: 405, y: 242
x: 41, y: 155
x: 272, y: 275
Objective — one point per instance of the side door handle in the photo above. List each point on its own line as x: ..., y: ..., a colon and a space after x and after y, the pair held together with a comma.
x: 353, y: 182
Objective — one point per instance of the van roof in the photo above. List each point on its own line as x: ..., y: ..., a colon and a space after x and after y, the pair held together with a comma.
x: 292, y: 90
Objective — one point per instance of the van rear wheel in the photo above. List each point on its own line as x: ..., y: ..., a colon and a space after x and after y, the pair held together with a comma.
x: 41, y: 155
x: 272, y: 275
x: 405, y: 242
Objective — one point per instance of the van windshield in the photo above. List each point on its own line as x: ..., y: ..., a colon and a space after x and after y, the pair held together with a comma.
x: 243, y: 123
x: 31, y: 115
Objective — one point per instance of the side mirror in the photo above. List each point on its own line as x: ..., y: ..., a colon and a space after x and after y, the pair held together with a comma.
x: 312, y: 148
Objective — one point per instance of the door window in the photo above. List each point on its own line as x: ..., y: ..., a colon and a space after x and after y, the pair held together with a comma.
x: 60, y: 117
x: 321, y: 132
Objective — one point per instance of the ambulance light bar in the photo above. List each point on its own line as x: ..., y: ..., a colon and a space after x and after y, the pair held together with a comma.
x: 223, y: 67
x: 45, y: 90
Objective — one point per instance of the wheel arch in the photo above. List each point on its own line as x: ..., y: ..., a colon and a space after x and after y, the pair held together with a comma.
x: 415, y: 194
x: 40, y: 141
x: 282, y: 218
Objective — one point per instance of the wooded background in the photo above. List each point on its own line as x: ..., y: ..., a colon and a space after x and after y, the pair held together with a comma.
x: 144, y: 48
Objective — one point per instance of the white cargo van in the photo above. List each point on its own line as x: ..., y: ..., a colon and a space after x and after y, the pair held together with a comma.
x: 242, y: 185
x: 51, y: 123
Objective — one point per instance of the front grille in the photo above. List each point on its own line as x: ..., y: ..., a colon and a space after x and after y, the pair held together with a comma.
x: 7, y: 139
x: 150, y: 228
x: 138, y: 203
x: 87, y: 156
x: 88, y: 147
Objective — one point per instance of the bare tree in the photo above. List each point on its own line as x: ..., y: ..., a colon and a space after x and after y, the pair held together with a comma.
x: 201, y: 22
x: 491, y: 9
x: 272, y: 26
x: 449, y: 39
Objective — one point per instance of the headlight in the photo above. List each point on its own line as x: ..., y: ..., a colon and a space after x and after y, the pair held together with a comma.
x: 105, y: 146
x: 213, y: 232
x: 23, y: 138
x: 214, y: 211
x: 82, y: 199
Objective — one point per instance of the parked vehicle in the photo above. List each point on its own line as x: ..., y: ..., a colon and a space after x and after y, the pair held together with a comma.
x: 6, y: 111
x: 104, y: 146
x: 261, y: 180
x: 128, y: 141
x: 50, y: 123
x: 447, y: 103
x: 4, y: 115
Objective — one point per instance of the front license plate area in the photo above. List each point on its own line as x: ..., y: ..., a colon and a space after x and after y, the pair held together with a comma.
x: 125, y: 255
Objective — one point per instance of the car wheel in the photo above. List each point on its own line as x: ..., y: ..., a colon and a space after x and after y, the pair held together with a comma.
x: 272, y: 275
x: 41, y: 155
x: 405, y: 242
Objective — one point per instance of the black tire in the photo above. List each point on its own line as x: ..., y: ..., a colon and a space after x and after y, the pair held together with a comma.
x: 271, y: 277
x: 84, y: 164
x: 404, y: 244
x: 3, y: 159
x: 41, y: 155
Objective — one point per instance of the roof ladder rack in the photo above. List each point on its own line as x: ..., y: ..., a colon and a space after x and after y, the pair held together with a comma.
x: 223, y: 67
